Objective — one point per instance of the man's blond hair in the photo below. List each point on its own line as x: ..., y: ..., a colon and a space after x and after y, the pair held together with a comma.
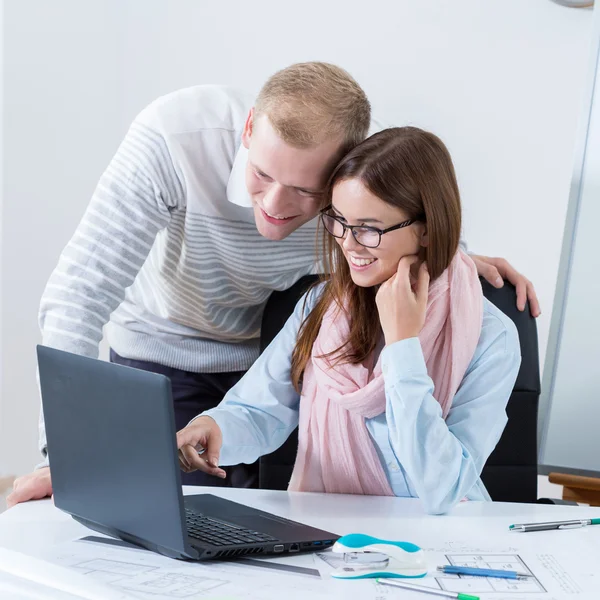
x: 308, y: 103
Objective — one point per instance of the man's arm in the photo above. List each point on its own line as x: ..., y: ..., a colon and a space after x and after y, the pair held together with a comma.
x: 496, y: 270
x: 130, y: 205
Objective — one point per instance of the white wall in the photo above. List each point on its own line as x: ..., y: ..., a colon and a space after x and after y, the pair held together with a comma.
x: 500, y: 81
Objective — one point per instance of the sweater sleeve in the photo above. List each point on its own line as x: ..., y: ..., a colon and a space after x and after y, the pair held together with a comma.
x: 130, y: 205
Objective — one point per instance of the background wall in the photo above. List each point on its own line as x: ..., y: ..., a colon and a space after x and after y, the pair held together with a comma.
x: 500, y: 81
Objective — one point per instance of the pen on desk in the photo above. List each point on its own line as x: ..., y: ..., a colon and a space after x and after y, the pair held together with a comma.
x: 426, y: 590
x: 575, y: 524
x: 476, y: 572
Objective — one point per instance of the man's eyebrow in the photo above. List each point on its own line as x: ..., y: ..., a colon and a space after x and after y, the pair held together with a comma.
x: 359, y: 220
x: 257, y: 168
x: 307, y: 190
x: 295, y: 187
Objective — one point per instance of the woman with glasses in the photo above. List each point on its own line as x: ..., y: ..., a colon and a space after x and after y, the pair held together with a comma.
x: 395, y: 368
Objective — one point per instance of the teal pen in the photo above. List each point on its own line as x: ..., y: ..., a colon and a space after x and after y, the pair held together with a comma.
x: 477, y: 572
x: 575, y: 524
x: 426, y: 590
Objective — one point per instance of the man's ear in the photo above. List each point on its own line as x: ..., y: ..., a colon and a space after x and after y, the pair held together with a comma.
x: 248, y: 126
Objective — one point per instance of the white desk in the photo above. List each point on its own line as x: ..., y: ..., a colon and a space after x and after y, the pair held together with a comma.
x: 391, y: 518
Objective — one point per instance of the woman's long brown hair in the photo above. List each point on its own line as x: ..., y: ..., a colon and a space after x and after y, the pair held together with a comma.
x: 410, y: 169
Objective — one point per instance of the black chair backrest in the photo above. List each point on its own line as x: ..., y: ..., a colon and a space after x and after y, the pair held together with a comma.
x: 510, y: 473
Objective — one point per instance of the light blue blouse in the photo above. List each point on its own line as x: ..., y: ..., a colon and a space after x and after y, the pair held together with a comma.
x: 424, y: 456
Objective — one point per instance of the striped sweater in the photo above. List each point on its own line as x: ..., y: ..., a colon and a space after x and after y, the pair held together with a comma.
x: 167, y: 254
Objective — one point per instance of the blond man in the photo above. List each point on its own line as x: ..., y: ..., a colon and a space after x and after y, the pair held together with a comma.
x: 207, y: 207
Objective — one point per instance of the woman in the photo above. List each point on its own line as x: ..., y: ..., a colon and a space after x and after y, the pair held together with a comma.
x: 396, y: 369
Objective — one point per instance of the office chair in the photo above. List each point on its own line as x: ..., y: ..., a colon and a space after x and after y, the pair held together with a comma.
x: 510, y: 473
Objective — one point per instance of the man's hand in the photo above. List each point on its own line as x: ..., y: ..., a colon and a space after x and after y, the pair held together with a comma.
x: 199, y: 447
x: 495, y: 270
x: 33, y: 486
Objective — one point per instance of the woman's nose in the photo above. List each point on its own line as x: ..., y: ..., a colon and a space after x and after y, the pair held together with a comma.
x: 349, y: 242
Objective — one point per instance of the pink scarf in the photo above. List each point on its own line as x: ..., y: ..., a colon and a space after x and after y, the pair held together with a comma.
x: 335, y: 450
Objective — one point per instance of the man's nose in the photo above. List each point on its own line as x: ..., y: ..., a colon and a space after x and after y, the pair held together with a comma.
x: 276, y: 200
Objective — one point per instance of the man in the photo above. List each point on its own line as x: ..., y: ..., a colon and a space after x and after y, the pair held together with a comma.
x: 207, y: 207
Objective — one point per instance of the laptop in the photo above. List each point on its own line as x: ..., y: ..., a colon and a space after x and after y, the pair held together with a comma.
x: 113, y: 457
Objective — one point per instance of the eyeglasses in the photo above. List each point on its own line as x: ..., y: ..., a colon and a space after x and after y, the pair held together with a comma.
x: 369, y: 237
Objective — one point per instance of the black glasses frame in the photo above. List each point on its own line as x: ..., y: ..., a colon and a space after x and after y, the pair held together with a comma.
x: 352, y: 228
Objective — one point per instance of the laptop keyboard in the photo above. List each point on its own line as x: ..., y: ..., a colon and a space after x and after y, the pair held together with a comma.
x: 219, y: 533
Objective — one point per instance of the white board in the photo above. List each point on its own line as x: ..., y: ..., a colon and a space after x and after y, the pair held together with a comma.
x: 570, y: 404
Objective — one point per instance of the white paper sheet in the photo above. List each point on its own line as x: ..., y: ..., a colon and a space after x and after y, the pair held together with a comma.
x: 17, y: 588
x: 558, y: 575
x: 35, y: 578
x: 148, y: 576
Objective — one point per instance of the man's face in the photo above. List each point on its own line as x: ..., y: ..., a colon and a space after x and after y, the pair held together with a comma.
x: 286, y: 184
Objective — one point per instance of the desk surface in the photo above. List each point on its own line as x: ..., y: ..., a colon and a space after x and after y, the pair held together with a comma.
x: 390, y: 518
x: 379, y: 516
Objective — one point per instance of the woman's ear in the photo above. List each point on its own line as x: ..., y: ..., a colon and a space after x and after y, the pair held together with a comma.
x: 424, y: 237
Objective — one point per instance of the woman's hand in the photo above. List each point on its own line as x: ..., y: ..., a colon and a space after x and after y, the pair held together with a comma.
x: 199, y: 447
x: 402, y: 307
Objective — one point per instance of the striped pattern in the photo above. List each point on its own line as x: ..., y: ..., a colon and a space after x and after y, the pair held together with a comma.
x: 181, y: 287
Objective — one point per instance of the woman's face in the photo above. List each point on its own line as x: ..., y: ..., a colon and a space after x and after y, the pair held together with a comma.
x: 356, y: 205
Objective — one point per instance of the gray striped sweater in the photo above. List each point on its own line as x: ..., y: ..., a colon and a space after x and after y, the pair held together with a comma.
x: 167, y: 254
